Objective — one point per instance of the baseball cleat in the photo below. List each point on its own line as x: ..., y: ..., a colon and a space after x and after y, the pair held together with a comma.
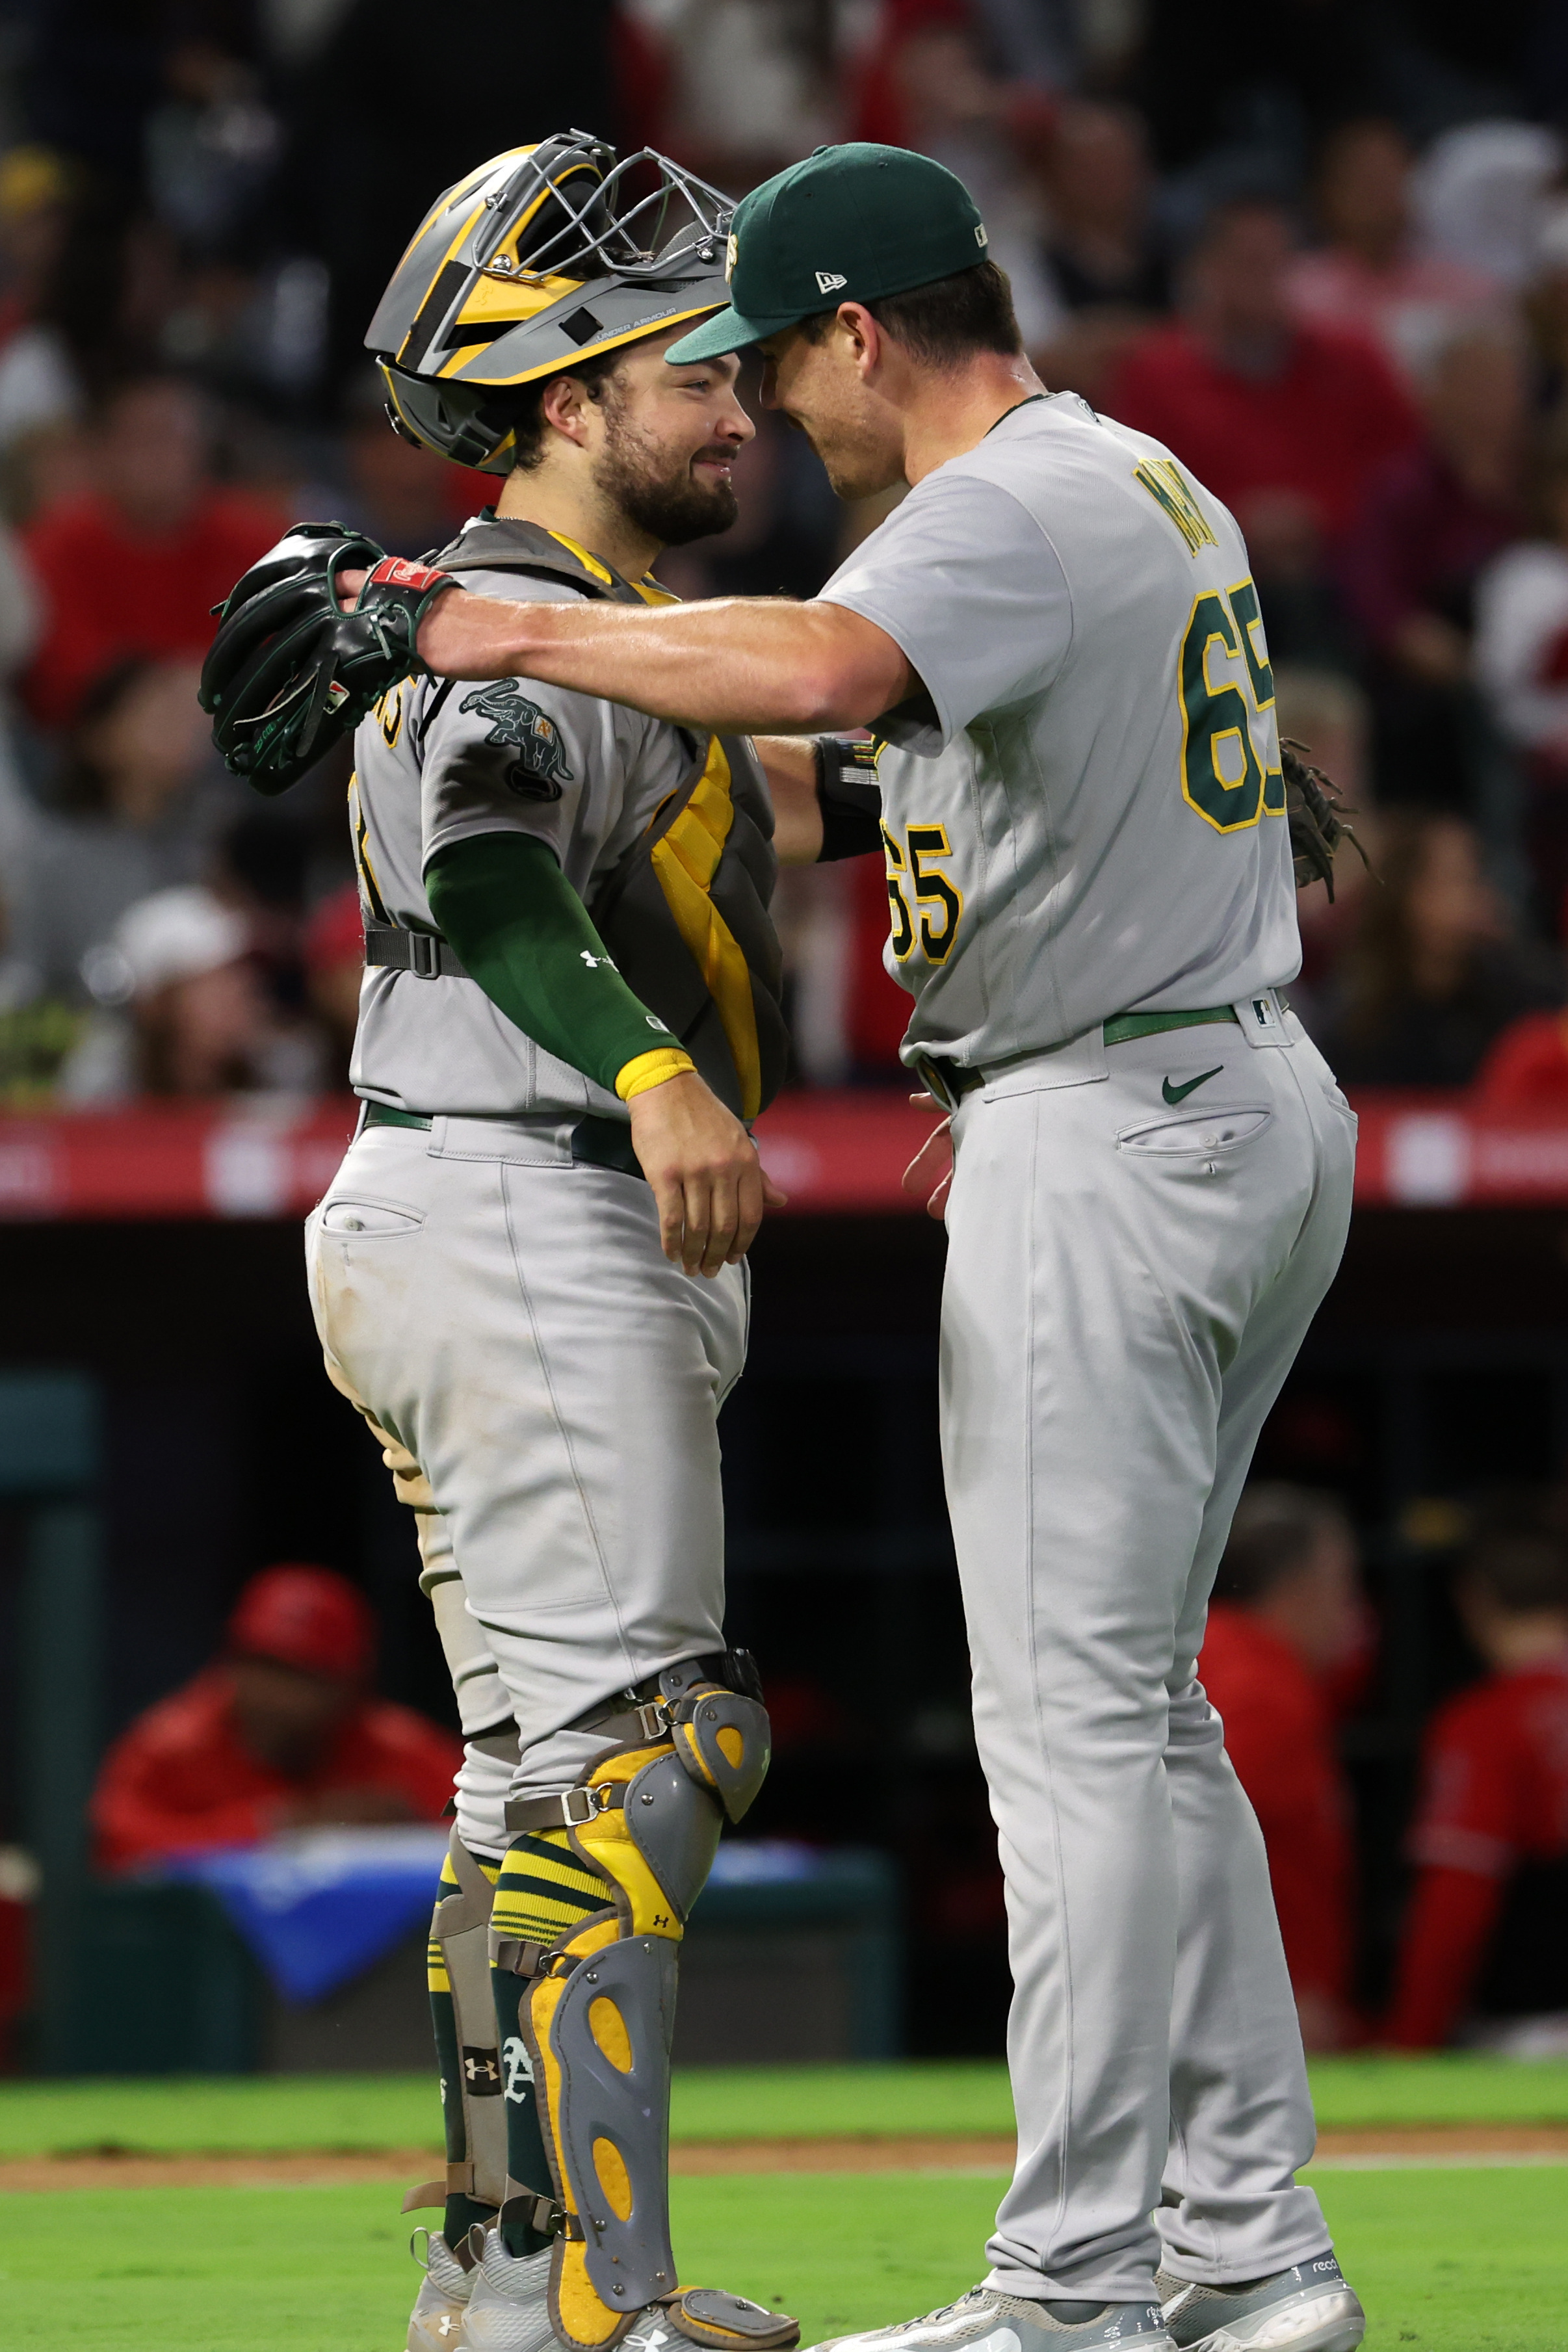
x: 985, y: 2320
x: 1306, y: 2309
x: 436, y: 2323
x: 508, y: 2310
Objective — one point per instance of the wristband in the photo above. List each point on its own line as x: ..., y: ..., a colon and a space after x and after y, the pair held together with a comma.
x: 645, y: 1070
x: 849, y: 797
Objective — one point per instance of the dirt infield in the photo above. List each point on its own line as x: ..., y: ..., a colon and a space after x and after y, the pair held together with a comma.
x: 112, y: 2167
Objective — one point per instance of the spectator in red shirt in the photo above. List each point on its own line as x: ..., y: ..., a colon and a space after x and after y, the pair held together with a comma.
x: 1286, y: 1621
x: 1487, y: 1929
x: 134, y: 565
x: 1527, y: 1069
x: 1284, y: 420
x: 283, y: 1732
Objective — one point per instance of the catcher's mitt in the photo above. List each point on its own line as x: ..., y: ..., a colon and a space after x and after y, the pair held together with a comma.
x: 1318, y: 818
x: 289, y: 673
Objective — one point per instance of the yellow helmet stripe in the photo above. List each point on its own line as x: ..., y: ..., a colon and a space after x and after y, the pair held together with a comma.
x: 592, y: 351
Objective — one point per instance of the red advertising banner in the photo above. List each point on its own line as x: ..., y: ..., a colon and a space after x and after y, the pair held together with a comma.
x: 835, y: 1153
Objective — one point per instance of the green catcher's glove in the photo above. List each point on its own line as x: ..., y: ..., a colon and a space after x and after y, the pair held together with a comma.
x: 289, y: 673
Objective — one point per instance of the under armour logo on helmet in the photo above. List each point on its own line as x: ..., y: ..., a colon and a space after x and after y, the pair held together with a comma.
x: 828, y: 282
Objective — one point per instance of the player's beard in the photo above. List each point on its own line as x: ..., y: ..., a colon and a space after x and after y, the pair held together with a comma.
x: 655, y: 491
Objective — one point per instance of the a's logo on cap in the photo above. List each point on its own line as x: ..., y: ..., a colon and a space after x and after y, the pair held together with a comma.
x: 828, y: 281
x: 980, y: 235
x: 731, y: 250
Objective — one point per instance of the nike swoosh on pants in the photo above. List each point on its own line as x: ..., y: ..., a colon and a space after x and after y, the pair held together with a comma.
x: 1179, y: 1094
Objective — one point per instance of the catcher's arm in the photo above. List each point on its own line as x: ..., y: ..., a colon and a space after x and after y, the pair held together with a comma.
x: 1318, y: 819
x: 826, y: 801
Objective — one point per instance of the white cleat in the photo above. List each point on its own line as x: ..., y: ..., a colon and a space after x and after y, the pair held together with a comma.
x: 984, y: 2320
x: 508, y: 2309
x: 436, y: 2323
x: 1306, y: 2309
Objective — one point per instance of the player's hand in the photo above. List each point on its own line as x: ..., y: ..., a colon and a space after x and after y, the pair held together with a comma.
x: 481, y: 642
x: 708, y: 1181
x: 929, y: 1175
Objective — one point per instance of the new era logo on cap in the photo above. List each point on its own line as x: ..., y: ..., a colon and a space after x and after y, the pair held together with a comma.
x: 828, y: 281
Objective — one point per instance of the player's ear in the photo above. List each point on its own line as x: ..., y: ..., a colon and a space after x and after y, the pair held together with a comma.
x: 566, y: 405
x: 864, y: 339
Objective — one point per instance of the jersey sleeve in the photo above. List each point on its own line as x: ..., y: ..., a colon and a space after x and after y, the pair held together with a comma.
x: 512, y: 756
x: 508, y: 755
x: 972, y: 592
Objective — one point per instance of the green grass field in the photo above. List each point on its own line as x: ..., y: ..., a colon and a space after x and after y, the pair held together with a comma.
x: 370, y: 2110
x: 1453, y: 2261
x: 1447, y: 2259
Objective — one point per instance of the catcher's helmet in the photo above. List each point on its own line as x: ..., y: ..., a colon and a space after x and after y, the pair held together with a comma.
x: 541, y: 258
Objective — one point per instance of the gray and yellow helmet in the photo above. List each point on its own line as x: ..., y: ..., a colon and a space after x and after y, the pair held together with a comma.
x: 541, y: 258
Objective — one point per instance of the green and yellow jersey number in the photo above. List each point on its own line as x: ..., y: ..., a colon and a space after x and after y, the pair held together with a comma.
x: 1226, y: 678
x: 925, y: 906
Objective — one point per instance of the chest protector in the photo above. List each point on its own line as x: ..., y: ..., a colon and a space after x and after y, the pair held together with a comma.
x: 684, y: 913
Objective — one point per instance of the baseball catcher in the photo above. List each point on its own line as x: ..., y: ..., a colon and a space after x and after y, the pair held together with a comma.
x: 570, y: 1013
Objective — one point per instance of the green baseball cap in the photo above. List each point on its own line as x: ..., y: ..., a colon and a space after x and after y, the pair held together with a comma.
x: 848, y: 224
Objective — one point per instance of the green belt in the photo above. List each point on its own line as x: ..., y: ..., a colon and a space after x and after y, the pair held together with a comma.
x: 383, y: 1115
x: 950, y: 1081
x: 1124, y: 1026
x: 595, y: 1142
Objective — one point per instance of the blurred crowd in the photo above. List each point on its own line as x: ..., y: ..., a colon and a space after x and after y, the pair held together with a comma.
x: 1291, y: 1658
x: 1326, y: 263
x: 1460, y: 1938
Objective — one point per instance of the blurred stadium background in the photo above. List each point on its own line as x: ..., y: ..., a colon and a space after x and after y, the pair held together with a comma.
x: 1322, y: 250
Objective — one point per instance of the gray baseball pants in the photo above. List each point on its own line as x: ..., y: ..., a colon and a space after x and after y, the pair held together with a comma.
x: 546, y: 1386
x: 1136, y: 1251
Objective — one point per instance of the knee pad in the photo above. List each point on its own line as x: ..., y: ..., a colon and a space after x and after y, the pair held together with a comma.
x: 600, y: 2010
x: 722, y: 1738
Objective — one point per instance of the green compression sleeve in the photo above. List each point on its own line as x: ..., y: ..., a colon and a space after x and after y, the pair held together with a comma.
x: 524, y: 935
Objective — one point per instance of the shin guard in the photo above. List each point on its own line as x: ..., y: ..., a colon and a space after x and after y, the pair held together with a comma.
x: 600, y: 2016
x: 467, y: 2049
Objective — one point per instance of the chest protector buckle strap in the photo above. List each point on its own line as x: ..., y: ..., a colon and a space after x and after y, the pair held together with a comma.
x: 684, y: 913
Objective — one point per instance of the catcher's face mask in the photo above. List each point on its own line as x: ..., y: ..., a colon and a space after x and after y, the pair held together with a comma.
x: 541, y: 258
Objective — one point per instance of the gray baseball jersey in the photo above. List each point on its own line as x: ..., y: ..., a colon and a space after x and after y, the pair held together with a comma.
x: 440, y: 760
x: 1084, y: 818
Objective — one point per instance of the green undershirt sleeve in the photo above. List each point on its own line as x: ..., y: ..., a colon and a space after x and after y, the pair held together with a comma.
x: 524, y: 935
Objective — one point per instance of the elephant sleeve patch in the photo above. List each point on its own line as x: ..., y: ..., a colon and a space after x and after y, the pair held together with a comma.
x: 540, y: 768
